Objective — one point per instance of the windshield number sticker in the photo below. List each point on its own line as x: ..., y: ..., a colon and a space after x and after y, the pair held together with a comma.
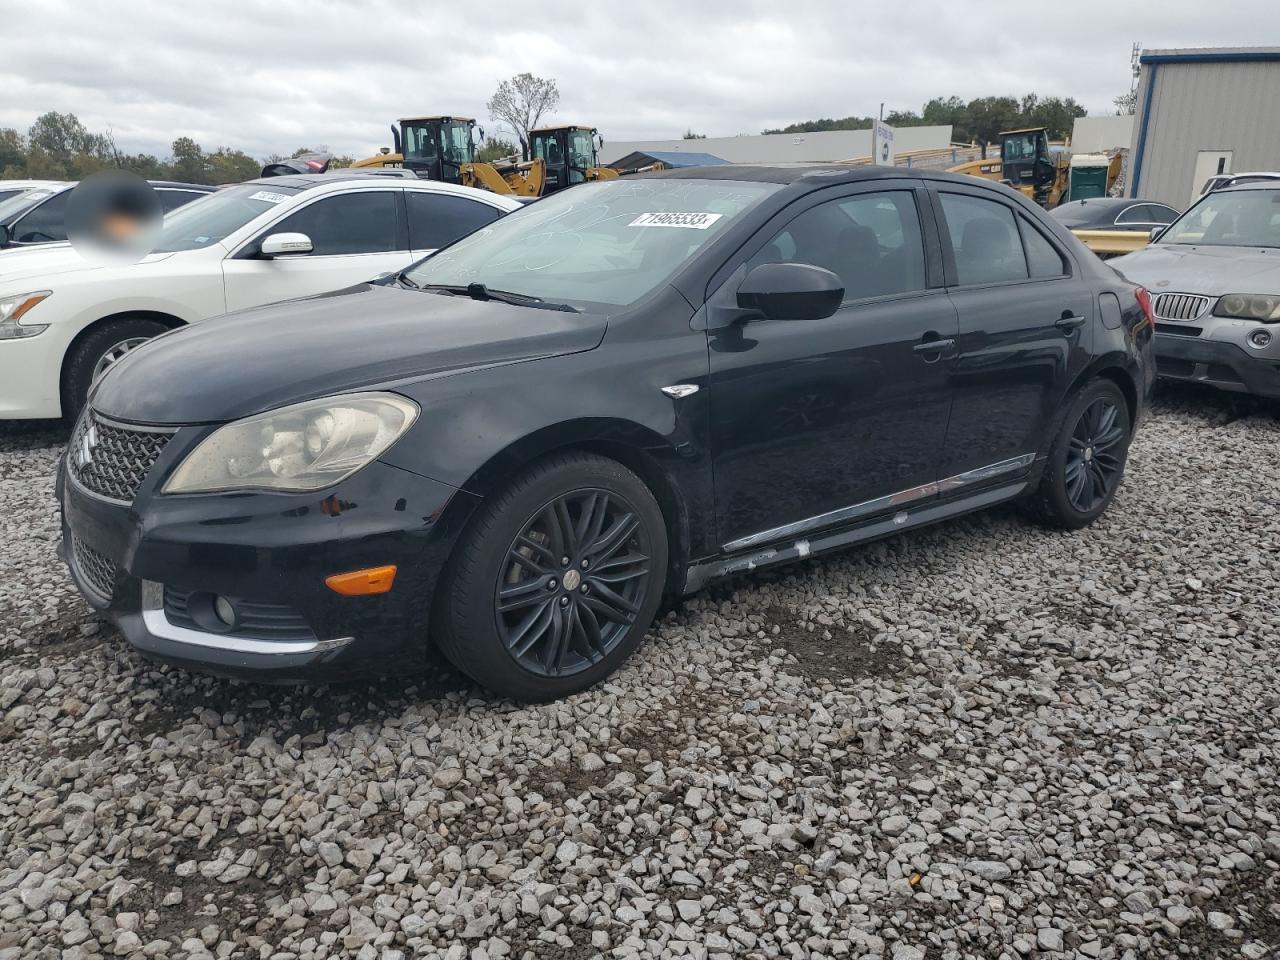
x: 267, y: 196
x: 689, y: 221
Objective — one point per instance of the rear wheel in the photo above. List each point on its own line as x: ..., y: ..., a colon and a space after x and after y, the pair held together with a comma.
x: 1087, y: 461
x: 555, y: 581
x: 97, y: 353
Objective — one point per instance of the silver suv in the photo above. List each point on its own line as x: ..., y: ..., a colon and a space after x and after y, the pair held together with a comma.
x: 1214, y: 278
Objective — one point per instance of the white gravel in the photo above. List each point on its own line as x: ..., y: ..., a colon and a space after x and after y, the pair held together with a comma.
x: 980, y: 740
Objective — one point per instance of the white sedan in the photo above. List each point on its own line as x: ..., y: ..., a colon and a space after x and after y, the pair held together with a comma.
x: 64, y: 320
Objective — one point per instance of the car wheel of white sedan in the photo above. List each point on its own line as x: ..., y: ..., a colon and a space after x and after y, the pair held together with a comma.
x: 97, y: 352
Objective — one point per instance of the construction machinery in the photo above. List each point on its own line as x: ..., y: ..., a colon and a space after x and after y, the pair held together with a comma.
x: 443, y: 148
x: 1029, y: 163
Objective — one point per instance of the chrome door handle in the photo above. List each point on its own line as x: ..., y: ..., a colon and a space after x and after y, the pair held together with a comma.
x: 929, y: 346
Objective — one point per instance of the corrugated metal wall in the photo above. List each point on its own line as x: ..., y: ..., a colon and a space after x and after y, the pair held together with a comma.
x: 1195, y: 106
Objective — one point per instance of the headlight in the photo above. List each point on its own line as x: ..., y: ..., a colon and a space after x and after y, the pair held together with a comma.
x: 1248, y: 306
x: 308, y: 446
x: 12, y: 310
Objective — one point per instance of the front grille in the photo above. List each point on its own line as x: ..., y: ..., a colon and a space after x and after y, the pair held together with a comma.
x: 1179, y: 306
x: 1178, y: 330
x: 97, y: 572
x: 259, y: 621
x: 110, y: 459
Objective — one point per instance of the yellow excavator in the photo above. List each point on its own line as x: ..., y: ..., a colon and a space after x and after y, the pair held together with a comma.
x: 443, y: 148
x: 1030, y: 164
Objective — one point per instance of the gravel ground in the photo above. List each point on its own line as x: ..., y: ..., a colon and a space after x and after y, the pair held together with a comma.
x: 979, y: 740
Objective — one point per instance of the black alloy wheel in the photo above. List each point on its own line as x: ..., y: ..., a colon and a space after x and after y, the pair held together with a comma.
x: 573, y: 582
x: 555, y: 580
x: 1086, y: 462
x: 1095, y: 459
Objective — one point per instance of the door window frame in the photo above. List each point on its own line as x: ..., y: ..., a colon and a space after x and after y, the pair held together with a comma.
x: 948, y: 251
x: 479, y: 201
x: 248, y: 249
x: 732, y: 271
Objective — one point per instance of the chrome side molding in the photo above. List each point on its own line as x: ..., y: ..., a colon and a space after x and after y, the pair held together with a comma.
x: 867, y: 507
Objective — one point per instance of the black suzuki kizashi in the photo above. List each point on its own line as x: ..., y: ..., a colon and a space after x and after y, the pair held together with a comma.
x: 517, y: 448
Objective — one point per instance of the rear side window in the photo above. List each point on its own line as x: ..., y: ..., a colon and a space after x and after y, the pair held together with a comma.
x: 353, y: 223
x: 871, y: 241
x: 173, y: 199
x: 45, y: 223
x: 1043, y: 257
x: 436, y: 219
x: 1139, y: 213
x: 984, y: 239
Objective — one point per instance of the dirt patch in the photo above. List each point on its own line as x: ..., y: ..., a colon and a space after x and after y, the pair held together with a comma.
x: 849, y: 653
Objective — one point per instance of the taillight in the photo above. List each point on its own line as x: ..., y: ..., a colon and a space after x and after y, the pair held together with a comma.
x: 1144, y: 301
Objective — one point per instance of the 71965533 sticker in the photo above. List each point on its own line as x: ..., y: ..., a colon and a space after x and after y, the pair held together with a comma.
x: 689, y: 221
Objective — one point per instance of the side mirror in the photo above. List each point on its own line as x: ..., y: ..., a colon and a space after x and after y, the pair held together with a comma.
x: 1155, y: 233
x: 791, y: 291
x: 285, y: 245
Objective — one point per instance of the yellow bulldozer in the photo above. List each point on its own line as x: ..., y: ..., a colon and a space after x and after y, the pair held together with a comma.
x: 1029, y: 163
x: 443, y: 148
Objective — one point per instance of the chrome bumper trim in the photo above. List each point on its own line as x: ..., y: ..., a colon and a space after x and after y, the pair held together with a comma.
x: 158, y: 625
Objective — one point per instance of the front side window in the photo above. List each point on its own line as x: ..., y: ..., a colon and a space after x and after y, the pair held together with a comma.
x: 984, y: 239
x: 872, y: 242
x: 600, y: 244
x: 1019, y: 148
x: 455, y: 142
x: 353, y: 223
x: 171, y: 200
x: 218, y: 215
x: 1230, y: 218
x: 419, y: 143
x: 437, y: 219
x: 45, y: 223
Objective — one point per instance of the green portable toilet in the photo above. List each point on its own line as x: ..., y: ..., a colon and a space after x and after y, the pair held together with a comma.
x: 1088, y: 176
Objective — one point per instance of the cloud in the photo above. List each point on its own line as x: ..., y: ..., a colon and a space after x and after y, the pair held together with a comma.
x: 267, y: 77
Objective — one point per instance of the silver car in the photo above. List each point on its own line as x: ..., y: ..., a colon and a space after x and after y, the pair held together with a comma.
x: 1214, y: 279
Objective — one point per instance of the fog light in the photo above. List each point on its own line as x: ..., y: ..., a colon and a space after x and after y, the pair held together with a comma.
x: 1260, y: 339
x: 224, y: 611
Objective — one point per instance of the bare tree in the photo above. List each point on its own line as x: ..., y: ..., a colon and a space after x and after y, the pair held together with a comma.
x: 522, y: 101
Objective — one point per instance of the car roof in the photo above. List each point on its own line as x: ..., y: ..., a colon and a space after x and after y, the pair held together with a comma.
x: 309, y: 181
x: 178, y: 185
x: 816, y: 174
x: 1258, y: 185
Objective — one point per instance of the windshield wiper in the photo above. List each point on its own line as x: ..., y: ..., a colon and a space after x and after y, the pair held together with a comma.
x: 478, y: 291
x: 403, y: 277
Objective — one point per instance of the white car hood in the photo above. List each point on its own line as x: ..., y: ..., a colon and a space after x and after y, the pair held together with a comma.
x: 53, y: 260
x: 1208, y: 270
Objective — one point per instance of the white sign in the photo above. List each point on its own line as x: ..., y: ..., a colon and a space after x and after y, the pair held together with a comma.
x: 689, y: 221
x: 268, y: 197
x: 882, y: 144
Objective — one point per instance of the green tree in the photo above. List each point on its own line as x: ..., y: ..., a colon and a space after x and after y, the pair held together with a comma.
x: 189, y: 162
x: 1126, y: 104
x: 690, y: 135
x: 231, y: 166
x: 495, y: 148
x: 13, y: 150
x: 903, y: 118
x: 987, y: 116
x: 522, y: 102
x: 1055, y: 114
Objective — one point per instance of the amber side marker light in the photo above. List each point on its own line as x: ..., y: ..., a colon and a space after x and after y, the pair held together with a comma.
x: 362, y: 583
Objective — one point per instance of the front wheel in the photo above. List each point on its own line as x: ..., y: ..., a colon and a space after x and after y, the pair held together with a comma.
x: 555, y: 581
x: 1087, y: 460
x: 97, y: 353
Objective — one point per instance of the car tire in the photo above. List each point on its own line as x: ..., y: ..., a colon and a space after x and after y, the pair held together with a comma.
x: 96, y: 352
x: 1087, y: 460
x: 514, y: 616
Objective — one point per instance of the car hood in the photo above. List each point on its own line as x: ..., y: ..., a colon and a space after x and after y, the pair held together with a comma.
x: 53, y: 260
x: 1208, y: 270
x: 365, y: 337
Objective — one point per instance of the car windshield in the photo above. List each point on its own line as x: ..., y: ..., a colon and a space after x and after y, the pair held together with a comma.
x: 212, y: 218
x: 21, y: 202
x: 607, y: 243
x: 1230, y: 218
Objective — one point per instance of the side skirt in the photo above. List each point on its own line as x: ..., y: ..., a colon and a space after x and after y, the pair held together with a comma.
x: 702, y: 573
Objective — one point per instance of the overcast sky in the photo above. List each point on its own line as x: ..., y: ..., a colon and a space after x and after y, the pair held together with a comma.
x: 267, y: 77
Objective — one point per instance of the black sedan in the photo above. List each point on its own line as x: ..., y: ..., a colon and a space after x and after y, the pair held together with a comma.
x: 1114, y: 213
x: 519, y: 447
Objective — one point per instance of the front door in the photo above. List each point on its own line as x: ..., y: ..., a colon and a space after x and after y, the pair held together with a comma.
x: 813, y: 421
x: 1025, y: 319
x: 354, y: 236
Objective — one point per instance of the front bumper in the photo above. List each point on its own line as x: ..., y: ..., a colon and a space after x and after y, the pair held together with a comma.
x: 1217, y: 363
x: 271, y: 551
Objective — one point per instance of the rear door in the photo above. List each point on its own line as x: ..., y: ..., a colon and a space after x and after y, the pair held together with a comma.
x: 355, y: 236
x: 818, y: 422
x: 1025, y: 319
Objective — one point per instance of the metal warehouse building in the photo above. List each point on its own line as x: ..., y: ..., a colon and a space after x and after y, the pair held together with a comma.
x: 1201, y: 112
